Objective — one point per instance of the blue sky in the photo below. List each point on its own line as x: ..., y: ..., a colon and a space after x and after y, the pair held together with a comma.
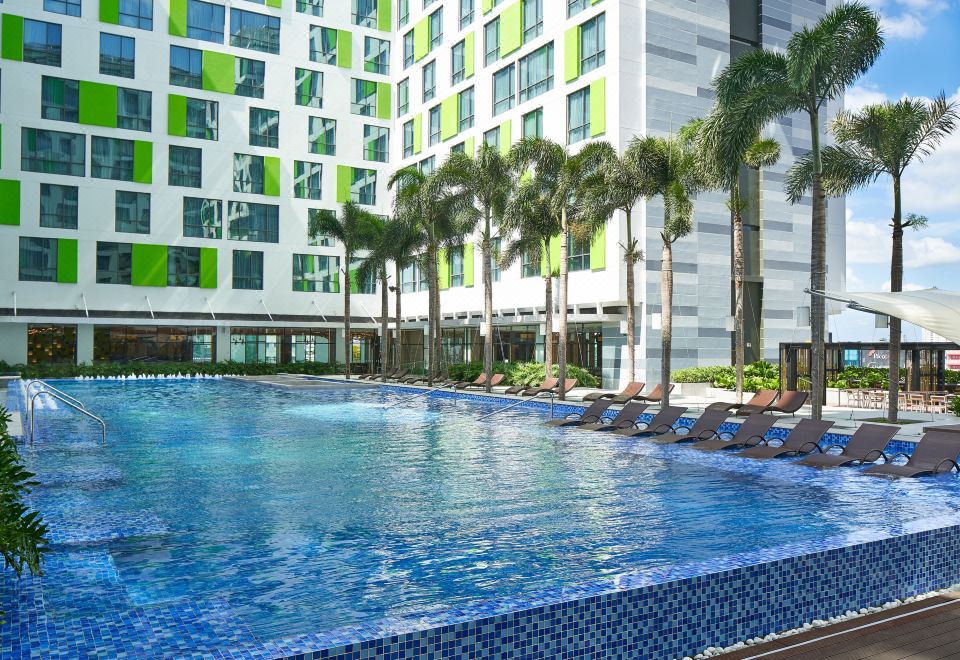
x: 921, y: 59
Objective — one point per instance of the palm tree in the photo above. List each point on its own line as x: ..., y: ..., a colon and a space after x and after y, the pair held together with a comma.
x: 375, y: 265
x: 561, y: 176
x: 619, y: 184
x: 820, y: 62
x: 527, y: 218
x: 353, y: 228
x: 881, y: 140
x: 723, y: 166
x: 483, y: 183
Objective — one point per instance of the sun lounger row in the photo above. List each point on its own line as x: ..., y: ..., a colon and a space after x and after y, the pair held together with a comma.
x: 632, y: 392
x: 765, y: 401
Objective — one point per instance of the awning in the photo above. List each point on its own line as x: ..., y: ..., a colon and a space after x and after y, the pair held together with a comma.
x: 934, y: 309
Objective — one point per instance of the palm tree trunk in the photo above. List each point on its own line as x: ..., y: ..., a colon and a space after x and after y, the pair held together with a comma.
x: 398, y: 339
x: 896, y: 284
x: 435, y: 357
x: 384, y: 322
x: 347, y: 334
x: 666, y: 319
x: 487, y: 300
x: 548, y: 313
x: 562, y: 324
x: 434, y: 291
x: 738, y: 325
x: 818, y: 276
x: 630, y: 257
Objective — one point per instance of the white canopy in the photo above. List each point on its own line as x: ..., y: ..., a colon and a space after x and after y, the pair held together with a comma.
x: 934, y: 309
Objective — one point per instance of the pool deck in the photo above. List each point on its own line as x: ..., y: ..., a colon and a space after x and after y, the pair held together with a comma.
x: 922, y: 630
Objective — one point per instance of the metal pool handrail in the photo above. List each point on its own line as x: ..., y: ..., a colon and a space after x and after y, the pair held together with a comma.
x: 103, y: 425
x: 425, y: 392
x: 520, y: 403
x: 44, y: 383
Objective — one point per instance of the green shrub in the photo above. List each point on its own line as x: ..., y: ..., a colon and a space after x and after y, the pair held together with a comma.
x: 760, y: 375
x: 171, y: 369
x: 951, y: 377
x: 955, y: 406
x: 861, y: 378
x: 521, y: 373
x: 699, y: 374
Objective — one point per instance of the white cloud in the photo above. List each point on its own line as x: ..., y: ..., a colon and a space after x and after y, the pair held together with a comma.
x: 928, y: 251
x: 871, y: 243
x: 905, y: 26
x: 906, y: 19
x: 861, y: 95
x: 867, y: 243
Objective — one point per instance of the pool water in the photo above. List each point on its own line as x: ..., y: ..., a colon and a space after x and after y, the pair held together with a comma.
x: 311, y: 510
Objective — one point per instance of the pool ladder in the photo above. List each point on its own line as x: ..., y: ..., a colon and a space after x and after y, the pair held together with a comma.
x: 63, y: 397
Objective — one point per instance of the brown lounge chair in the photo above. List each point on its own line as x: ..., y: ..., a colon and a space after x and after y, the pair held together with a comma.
x: 425, y: 378
x: 788, y: 404
x: 752, y: 431
x: 803, y: 439
x: 655, y: 396
x: 705, y: 427
x: 398, y: 375
x: 379, y: 375
x: 760, y: 399
x: 548, y: 384
x: 865, y: 446
x: 588, y: 416
x: 661, y: 423
x: 480, y: 380
x: 625, y: 419
x: 495, y: 380
x: 935, y: 451
x: 630, y: 391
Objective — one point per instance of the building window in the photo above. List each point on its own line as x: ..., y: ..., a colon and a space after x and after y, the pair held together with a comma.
x: 186, y: 167
x: 132, y: 211
x: 134, y: 109
x: 376, y: 143
x: 492, y: 138
x: 117, y: 55
x: 458, y: 63
x: 183, y: 266
x: 319, y: 240
x: 403, y: 96
x: 455, y: 259
x: 529, y: 264
x: 429, y: 81
x: 593, y: 49
x: 578, y: 116
x: 578, y: 254
x: 532, y: 19
x: 322, y: 138
x: 111, y: 158
x: 436, y: 28
x: 465, y: 109
x: 68, y: 7
x: 254, y: 31
x: 114, y: 263
x: 59, y: 99
x: 536, y: 73
x: 408, y: 49
x: 459, y: 148
x: 533, y: 124
x: 59, y: 206
x: 307, y: 179
x: 434, y: 125
x: 408, y: 139
x: 38, y: 259
x: 323, y: 44
x: 41, y: 42
x: 364, y: 100
x: 403, y: 12
x: 366, y: 285
x: 364, y: 13
x: 264, y: 128
x: 413, y: 278
x: 491, y: 41
x: 248, y: 174
x: 376, y: 55
x: 186, y: 67
x: 427, y: 166
x: 504, y: 90
x: 248, y: 270
x: 52, y: 152
x: 202, y: 218
x: 309, y: 88
x: 205, y: 21
x: 363, y: 188
x: 203, y: 119
x: 466, y: 13
x: 316, y: 273
x: 136, y: 14
x: 253, y: 222
x: 312, y: 7
x: 249, y: 78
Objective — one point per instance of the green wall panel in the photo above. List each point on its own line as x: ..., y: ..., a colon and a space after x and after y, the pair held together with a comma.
x: 598, y: 249
x: 176, y: 115
x: 449, y: 123
x: 149, y: 265
x: 506, y: 136
x: 384, y: 15
x: 598, y: 107
x: 344, y: 49
x: 354, y: 281
x: 470, y: 146
x: 469, y: 54
x: 417, y: 134
x: 421, y: 38
x: 218, y: 73
x: 178, y: 18
x: 443, y: 268
x: 142, y: 161
x: 275, y: 3
x: 110, y: 11
x: 208, y: 268
x: 271, y: 176
x: 468, y: 264
x: 571, y: 54
x: 486, y: 6
x: 384, y: 100
x: 98, y: 104
x: 511, y: 28
x: 67, y: 260
x: 9, y: 202
x: 344, y: 181
x: 555, y: 254
x: 12, y: 45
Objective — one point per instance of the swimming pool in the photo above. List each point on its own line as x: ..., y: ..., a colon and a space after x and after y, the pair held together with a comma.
x: 306, y: 512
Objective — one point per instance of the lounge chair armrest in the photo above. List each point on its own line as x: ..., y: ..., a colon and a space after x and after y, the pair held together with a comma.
x: 574, y: 416
x: 878, y: 452
x: 680, y: 428
x: 813, y: 444
x: 710, y: 433
x: 604, y: 420
x: 589, y: 419
x: 640, y: 426
x: 899, y: 454
x: 663, y: 428
x: 759, y: 441
x: 949, y: 461
x: 829, y: 447
x: 723, y: 433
